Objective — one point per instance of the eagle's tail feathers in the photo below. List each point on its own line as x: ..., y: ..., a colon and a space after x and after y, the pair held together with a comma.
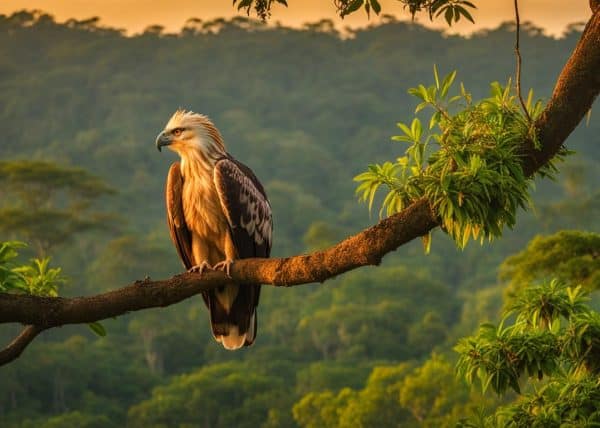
x: 234, y: 340
x: 233, y: 326
x: 251, y: 335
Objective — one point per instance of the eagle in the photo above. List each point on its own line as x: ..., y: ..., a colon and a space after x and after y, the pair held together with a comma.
x: 217, y: 212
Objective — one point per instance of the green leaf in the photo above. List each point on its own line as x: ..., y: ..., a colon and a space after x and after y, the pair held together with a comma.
x: 435, y: 119
x: 376, y: 6
x: 352, y: 7
x: 449, y: 15
x: 465, y: 13
x: 448, y: 80
x: 406, y: 130
x: 426, y: 242
x: 97, y: 328
x: 454, y: 98
x: 416, y: 129
x: 421, y: 106
x: 402, y: 138
x: 244, y: 4
x: 588, y: 116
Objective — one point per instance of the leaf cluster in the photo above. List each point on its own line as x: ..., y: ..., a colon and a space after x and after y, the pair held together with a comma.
x: 562, y: 402
x: 555, y: 336
x: 35, y: 278
x: 262, y: 8
x: 474, y: 177
x: 10, y: 279
x: 451, y: 10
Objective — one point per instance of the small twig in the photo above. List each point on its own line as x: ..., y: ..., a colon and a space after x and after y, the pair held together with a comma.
x: 518, y: 54
x: 14, y: 349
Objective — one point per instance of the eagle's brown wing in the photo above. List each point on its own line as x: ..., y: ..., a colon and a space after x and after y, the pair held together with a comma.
x: 246, y: 207
x: 248, y: 212
x: 180, y: 234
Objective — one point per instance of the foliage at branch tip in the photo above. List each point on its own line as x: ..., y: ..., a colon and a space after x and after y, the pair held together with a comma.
x: 36, y: 278
x: 262, y: 8
x: 451, y: 10
x: 556, y: 337
x: 466, y: 161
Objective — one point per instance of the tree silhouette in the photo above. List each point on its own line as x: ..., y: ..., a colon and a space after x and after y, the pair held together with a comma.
x: 47, y: 204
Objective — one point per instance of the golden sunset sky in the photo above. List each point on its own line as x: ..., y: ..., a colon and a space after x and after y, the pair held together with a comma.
x: 135, y: 15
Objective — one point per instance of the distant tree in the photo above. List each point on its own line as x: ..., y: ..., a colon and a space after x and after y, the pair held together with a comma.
x: 427, y: 334
x: 580, y: 213
x: 570, y: 256
x: 320, y: 234
x: 369, y: 312
x: 549, y: 340
x: 322, y: 409
x: 377, y: 404
x: 72, y: 419
x: 403, y: 395
x: 128, y: 257
x: 432, y: 393
x: 47, y: 204
x: 331, y: 375
x: 197, y: 399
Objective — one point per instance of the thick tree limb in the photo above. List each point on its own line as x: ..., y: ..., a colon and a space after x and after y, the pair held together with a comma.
x: 14, y: 349
x: 366, y: 248
x: 575, y: 91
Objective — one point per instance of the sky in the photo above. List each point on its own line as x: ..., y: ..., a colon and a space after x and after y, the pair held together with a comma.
x: 135, y: 15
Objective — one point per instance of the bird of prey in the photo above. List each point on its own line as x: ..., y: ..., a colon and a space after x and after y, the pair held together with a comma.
x: 217, y: 212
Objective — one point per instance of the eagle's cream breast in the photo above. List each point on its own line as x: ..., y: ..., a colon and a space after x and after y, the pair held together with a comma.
x: 203, y: 212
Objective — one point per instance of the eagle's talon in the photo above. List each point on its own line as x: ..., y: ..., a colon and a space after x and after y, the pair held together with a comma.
x: 200, y: 268
x: 225, y: 266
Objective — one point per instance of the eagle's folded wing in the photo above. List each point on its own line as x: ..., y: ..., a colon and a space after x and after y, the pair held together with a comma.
x: 180, y: 234
x: 246, y: 207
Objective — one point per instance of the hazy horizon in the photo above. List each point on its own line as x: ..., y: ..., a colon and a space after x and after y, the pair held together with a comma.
x: 135, y: 15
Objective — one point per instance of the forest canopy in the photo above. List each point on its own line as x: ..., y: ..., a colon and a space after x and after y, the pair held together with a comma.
x: 307, y: 110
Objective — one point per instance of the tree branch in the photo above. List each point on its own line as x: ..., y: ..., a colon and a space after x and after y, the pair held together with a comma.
x: 14, y: 349
x: 366, y: 248
x: 575, y: 91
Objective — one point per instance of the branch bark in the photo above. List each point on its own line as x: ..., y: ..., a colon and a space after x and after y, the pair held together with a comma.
x: 576, y: 89
x: 574, y: 93
x: 14, y: 349
x: 366, y: 248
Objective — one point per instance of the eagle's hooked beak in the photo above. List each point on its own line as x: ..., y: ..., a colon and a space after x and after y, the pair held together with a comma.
x: 163, y: 139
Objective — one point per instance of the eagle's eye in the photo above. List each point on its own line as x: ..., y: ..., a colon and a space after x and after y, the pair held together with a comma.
x: 177, y: 132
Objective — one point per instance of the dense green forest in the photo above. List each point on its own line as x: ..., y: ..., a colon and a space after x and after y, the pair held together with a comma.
x: 307, y: 110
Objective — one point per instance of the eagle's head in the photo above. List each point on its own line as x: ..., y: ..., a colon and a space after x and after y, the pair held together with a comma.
x: 188, y: 133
